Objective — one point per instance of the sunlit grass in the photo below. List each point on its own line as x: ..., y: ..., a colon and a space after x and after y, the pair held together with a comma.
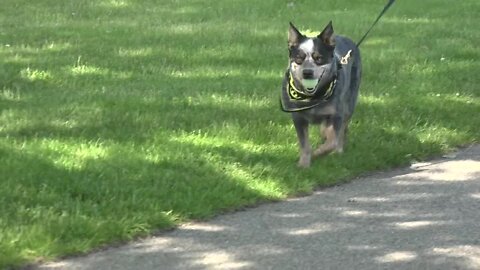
x: 119, y: 118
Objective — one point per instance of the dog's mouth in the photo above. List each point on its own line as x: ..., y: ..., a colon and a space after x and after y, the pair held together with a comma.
x: 309, y: 85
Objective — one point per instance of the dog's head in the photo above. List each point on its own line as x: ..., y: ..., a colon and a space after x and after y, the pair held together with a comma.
x: 312, y: 58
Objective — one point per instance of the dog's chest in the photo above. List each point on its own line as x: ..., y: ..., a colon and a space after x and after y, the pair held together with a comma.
x: 317, y: 114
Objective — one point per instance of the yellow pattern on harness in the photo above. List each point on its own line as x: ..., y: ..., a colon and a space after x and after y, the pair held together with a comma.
x: 296, y: 94
x: 292, y: 90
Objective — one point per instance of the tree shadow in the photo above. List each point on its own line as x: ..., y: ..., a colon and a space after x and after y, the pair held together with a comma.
x: 70, y: 210
x: 408, y: 218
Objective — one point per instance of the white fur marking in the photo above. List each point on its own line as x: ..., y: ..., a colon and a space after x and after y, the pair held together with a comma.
x: 307, y: 46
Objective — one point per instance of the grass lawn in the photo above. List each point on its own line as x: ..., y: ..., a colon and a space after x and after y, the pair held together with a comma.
x: 122, y: 117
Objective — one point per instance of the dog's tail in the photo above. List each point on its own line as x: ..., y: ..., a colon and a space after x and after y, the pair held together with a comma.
x: 387, y: 6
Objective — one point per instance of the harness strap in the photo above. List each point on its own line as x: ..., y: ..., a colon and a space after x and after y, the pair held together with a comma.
x: 296, y: 94
x: 292, y: 101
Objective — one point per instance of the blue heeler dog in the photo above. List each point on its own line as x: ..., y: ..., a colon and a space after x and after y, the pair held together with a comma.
x: 321, y: 87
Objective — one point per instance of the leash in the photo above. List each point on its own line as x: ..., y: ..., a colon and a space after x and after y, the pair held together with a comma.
x: 387, y: 6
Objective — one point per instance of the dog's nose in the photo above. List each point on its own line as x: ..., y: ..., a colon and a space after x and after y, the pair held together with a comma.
x: 308, y: 73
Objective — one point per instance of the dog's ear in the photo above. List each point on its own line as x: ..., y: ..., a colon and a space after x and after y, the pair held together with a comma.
x: 294, y: 36
x: 327, y: 35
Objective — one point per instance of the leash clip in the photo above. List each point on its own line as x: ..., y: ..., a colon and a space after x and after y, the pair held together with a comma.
x: 345, y: 58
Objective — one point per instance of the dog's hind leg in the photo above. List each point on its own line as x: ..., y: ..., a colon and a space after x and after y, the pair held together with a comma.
x: 333, y: 132
x: 345, y: 135
x: 341, y: 130
x: 323, y: 133
x: 301, y: 126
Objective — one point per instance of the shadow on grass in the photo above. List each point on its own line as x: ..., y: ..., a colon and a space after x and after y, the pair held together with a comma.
x: 412, y: 218
x: 56, y: 211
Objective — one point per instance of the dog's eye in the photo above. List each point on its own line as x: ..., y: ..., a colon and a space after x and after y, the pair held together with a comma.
x: 318, y: 58
x: 299, y: 58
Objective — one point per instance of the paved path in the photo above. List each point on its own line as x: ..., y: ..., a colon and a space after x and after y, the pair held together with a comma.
x: 423, y: 217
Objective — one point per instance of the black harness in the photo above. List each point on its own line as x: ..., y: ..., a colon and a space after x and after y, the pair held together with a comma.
x: 294, y: 99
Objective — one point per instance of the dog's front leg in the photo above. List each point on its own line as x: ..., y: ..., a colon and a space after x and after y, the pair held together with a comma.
x: 301, y: 126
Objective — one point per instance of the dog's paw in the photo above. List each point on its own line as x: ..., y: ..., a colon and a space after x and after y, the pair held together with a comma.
x: 325, y: 149
x: 304, y: 162
x: 321, y: 152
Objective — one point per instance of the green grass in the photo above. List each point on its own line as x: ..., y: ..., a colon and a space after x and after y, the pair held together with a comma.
x: 122, y: 117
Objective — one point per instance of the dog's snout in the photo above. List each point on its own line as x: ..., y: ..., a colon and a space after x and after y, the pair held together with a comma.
x: 308, y: 73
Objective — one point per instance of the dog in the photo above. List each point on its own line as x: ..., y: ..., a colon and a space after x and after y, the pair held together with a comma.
x: 321, y: 87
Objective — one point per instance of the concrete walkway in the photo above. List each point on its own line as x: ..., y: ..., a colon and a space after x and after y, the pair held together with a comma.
x: 423, y: 217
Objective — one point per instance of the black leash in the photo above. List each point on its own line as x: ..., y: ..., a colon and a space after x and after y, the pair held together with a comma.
x: 387, y: 6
